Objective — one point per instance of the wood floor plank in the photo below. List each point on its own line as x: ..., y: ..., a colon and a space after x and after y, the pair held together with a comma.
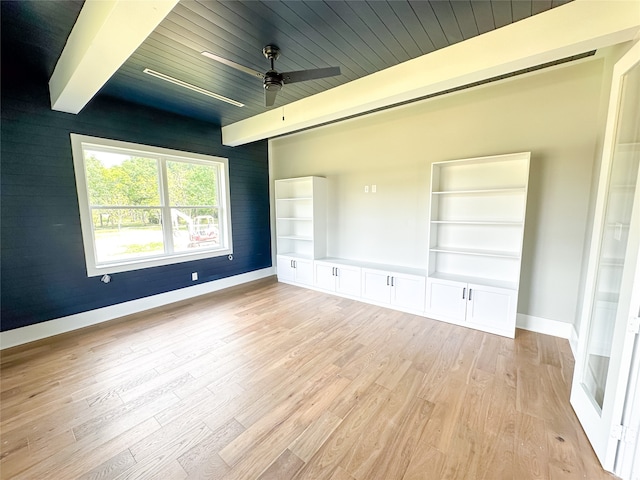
x: 308, y: 443
x: 112, y: 468
x: 268, y: 380
x: 285, y: 466
x: 198, y: 461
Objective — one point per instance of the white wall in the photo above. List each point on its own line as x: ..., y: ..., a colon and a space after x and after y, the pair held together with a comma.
x: 552, y: 113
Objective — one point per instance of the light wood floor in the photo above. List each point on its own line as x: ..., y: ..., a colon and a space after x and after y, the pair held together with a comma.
x: 271, y: 381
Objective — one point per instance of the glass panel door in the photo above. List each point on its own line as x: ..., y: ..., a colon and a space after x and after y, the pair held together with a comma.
x: 605, y: 345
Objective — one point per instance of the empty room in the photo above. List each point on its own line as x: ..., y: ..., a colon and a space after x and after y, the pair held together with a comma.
x: 323, y: 240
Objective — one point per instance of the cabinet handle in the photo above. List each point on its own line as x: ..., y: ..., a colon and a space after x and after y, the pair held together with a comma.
x: 291, y: 261
x: 470, y: 290
x: 464, y: 290
x: 387, y: 280
x: 392, y: 281
x: 336, y: 271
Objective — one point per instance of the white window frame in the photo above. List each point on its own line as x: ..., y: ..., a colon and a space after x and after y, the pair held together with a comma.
x: 94, y: 268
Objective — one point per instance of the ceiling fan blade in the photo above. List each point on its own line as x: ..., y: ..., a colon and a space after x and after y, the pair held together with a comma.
x: 313, y: 74
x: 232, y: 64
x: 270, y: 97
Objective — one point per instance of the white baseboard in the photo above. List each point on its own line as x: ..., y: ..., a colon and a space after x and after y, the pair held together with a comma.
x: 545, y: 326
x: 573, y: 341
x: 38, y: 331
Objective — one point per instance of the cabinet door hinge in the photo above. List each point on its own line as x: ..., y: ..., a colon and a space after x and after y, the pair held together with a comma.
x: 634, y: 325
x: 624, y: 434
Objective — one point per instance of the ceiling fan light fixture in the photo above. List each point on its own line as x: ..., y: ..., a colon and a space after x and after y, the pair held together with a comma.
x: 192, y: 87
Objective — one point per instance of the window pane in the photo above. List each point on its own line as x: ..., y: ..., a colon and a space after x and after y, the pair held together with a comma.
x: 195, y: 228
x: 192, y: 184
x: 127, y: 233
x: 121, y: 180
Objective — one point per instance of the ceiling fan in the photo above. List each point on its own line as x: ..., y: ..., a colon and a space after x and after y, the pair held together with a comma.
x: 272, y: 80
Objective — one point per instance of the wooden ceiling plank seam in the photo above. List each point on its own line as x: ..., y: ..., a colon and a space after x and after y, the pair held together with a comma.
x: 362, y: 30
x: 396, y: 28
x: 501, y: 13
x: 409, y: 17
x: 465, y: 18
x: 539, y: 6
x: 246, y: 44
x: 483, y: 15
x: 318, y: 23
x: 448, y: 22
x: 377, y: 28
x: 316, y: 40
x: 521, y: 9
x: 348, y: 34
x: 430, y: 23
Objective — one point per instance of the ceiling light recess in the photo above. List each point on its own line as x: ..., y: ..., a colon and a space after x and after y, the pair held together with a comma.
x: 195, y: 88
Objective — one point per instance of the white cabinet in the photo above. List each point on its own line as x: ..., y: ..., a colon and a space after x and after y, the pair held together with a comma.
x: 404, y: 291
x: 295, y: 270
x: 476, y: 229
x: 337, y: 277
x: 488, y: 308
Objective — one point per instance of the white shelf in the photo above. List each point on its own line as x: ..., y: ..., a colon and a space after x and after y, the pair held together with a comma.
x: 296, y: 237
x: 483, y: 191
x: 294, y: 199
x: 477, y: 252
x: 478, y: 222
x: 375, y: 266
x: 489, y: 282
x: 296, y: 255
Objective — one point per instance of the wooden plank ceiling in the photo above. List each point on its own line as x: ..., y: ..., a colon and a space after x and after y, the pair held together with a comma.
x: 361, y: 37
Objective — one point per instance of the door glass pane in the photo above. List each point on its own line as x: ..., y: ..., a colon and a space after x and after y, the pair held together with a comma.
x: 622, y: 186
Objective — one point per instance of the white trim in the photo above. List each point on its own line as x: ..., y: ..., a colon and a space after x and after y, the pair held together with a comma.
x: 162, y: 155
x: 38, y: 331
x: 573, y: 342
x: 545, y: 326
x: 104, y: 36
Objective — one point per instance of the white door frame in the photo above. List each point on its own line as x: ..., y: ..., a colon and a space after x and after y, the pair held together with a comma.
x: 598, y: 425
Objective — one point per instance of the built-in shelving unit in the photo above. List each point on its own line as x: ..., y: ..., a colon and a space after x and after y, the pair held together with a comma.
x: 301, y: 221
x: 476, y: 228
x: 475, y: 238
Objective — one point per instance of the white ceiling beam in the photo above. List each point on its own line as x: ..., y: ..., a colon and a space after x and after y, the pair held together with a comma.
x: 104, y: 36
x: 571, y: 29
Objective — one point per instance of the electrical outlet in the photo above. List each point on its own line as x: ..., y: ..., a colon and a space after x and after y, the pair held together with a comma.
x: 194, y: 276
x: 373, y: 188
x: 366, y: 189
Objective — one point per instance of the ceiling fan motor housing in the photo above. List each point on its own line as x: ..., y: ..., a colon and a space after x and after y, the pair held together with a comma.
x: 273, y: 81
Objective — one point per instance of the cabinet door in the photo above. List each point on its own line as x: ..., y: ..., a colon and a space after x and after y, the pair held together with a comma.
x: 348, y: 280
x: 286, y: 273
x: 376, y: 285
x: 324, y: 277
x: 408, y: 292
x: 492, y: 308
x: 447, y: 299
x: 304, y: 271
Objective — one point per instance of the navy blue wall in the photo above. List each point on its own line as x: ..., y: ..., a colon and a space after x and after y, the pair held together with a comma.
x: 43, y: 273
